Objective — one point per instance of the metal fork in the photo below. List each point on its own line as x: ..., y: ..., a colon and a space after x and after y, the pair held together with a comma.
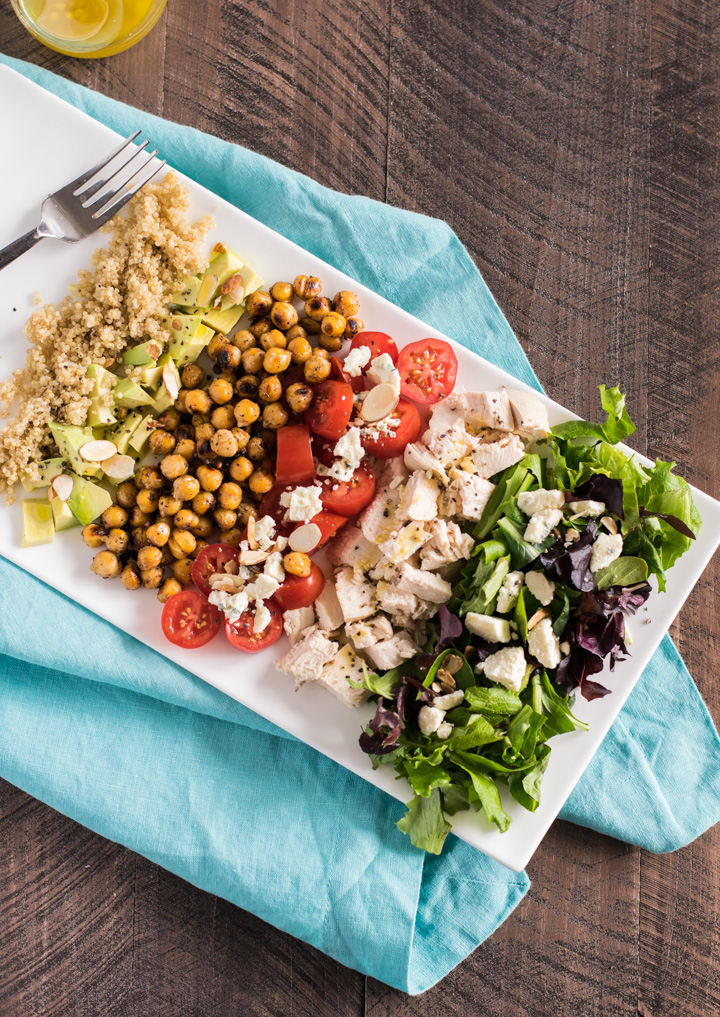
x: 82, y: 206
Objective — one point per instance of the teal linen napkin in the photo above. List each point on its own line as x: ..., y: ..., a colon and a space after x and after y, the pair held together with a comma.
x: 117, y: 737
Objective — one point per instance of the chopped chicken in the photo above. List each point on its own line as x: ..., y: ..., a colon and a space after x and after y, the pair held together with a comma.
x: 295, y: 622
x: 419, y: 498
x: 541, y: 524
x: 391, y: 652
x: 447, y: 544
x: 467, y: 495
x: 369, y: 631
x: 490, y: 409
x: 425, y: 585
x: 379, y: 520
x: 351, y: 547
x: 418, y: 457
x: 400, y: 604
x: 337, y: 674
x: 356, y: 596
x: 491, y: 459
x: 452, y: 443
x: 305, y: 660
x: 530, y: 417
x: 329, y: 612
x: 403, y: 544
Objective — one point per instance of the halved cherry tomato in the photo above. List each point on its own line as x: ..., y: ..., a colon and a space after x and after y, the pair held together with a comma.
x: 270, y: 506
x: 348, y: 497
x: 190, y: 620
x: 338, y: 373
x: 329, y: 522
x: 210, y: 560
x: 387, y: 446
x: 331, y: 408
x: 428, y: 369
x: 379, y: 342
x: 241, y: 633
x: 294, y: 461
x: 299, y: 591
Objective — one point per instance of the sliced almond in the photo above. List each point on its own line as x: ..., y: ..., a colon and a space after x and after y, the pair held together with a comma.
x: 305, y: 538
x: 379, y: 402
x: 253, y: 557
x: 118, y: 467
x: 538, y: 617
x: 234, y: 288
x: 251, y: 534
x: 154, y: 350
x: 170, y: 382
x: 61, y: 487
x: 609, y: 524
x: 97, y: 451
x: 281, y: 543
x: 176, y: 325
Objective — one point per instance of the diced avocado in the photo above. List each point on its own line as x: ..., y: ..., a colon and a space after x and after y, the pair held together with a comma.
x: 124, y: 430
x: 62, y: 515
x: 129, y: 394
x: 162, y: 400
x: 151, y: 374
x: 100, y: 415
x: 224, y: 317
x: 139, y: 440
x: 69, y: 440
x: 38, y: 527
x: 103, y: 379
x: 144, y: 353
x: 190, y: 337
x: 87, y: 501
x: 186, y: 295
x: 47, y: 470
x: 251, y: 280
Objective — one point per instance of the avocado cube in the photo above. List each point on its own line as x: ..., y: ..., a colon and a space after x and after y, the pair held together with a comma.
x: 151, y: 374
x: 140, y: 438
x: 224, y: 317
x: 87, y: 501
x: 100, y: 415
x: 189, y: 337
x: 63, y: 518
x: 37, y: 525
x: 129, y: 394
x: 144, y: 353
x: 70, y: 439
x: 47, y: 470
x: 124, y: 430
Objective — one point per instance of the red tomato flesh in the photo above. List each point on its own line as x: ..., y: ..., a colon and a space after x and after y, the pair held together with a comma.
x: 331, y: 408
x: 379, y: 343
x: 190, y: 620
x: 387, y: 446
x: 299, y: 591
x: 338, y: 373
x: 428, y: 370
x: 294, y: 455
x: 212, y: 559
x: 348, y: 497
x: 329, y: 524
x: 241, y: 633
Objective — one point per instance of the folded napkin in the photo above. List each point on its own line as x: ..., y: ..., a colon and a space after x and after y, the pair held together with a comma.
x: 110, y: 733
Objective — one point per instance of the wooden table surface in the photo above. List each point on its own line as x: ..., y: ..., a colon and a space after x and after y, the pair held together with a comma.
x: 574, y: 147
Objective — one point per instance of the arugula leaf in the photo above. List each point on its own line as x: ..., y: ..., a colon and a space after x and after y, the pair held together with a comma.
x: 494, y: 704
x: 487, y: 794
x: 465, y: 759
x: 424, y: 776
x: 617, y: 426
x: 525, y: 787
x: 425, y: 823
x: 624, y: 571
x: 486, y: 583
x: 474, y: 735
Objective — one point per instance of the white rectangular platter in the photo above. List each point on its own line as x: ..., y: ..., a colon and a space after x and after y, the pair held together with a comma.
x: 46, y: 143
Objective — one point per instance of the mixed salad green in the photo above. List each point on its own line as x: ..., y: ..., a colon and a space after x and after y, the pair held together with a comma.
x: 499, y: 734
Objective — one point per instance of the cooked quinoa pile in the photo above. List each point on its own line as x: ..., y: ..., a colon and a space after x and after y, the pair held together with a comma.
x: 116, y: 303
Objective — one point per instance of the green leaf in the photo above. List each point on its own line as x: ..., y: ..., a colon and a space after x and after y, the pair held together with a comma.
x: 455, y: 797
x: 425, y: 823
x: 379, y: 685
x: 677, y: 502
x: 562, y: 609
x: 525, y: 787
x: 555, y: 707
x: 463, y: 678
x: 474, y: 735
x: 488, y: 795
x: 638, y: 544
x: 495, y: 704
x: 624, y: 571
x: 513, y: 480
x: 490, y: 550
x: 521, y: 552
x: 617, y: 426
x: 524, y: 730
x: 484, y: 587
x: 465, y: 759
x: 423, y: 777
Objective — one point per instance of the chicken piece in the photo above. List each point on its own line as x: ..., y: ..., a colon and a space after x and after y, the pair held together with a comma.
x: 369, y: 632
x: 491, y: 459
x: 356, y: 596
x: 305, y: 660
x: 530, y: 416
x: 378, y: 521
x: 337, y: 674
x: 452, y: 443
x: 467, y: 495
x: 489, y: 409
x: 418, y: 457
x: 391, y: 652
x: 425, y: 585
x: 419, y: 498
x: 327, y: 606
x: 396, y: 602
x: 447, y: 544
x: 295, y: 622
x: 403, y: 544
x: 351, y: 547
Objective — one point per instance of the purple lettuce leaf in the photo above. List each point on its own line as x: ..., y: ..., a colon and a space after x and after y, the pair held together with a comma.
x: 385, y: 728
x: 450, y: 629
x: 605, y: 489
x: 671, y: 520
x: 571, y: 564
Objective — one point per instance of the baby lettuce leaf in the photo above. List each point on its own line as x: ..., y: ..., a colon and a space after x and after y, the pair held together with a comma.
x: 521, y: 552
x: 485, y: 790
x: 624, y: 571
x: 524, y: 730
x: 560, y: 609
x: 455, y: 797
x: 495, y: 704
x: 514, y: 480
x: 424, y: 776
x: 450, y: 629
x: 556, y: 708
x: 617, y: 426
x: 605, y: 489
x: 639, y: 544
x: 425, y: 823
x: 525, y: 787
x: 482, y: 588
x: 474, y: 735
x: 380, y: 685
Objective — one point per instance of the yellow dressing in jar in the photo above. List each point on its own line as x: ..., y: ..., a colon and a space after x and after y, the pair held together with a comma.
x: 89, y: 28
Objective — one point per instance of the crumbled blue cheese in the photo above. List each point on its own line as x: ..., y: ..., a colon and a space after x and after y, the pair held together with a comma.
x: 607, y: 547
x: 274, y: 567
x: 444, y: 730
x: 350, y: 453
x: 582, y: 509
x: 232, y: 604
x: 541, y: 524
x: 531, y: 502
x: 541, y: 587
x: 543, y: 644
x: 382, y: 371
x: 262, y: 618
x: 508, y: 594
x: 264, y: 532
x: 263, y: 587
x: 489, y: 628
x: 302, y: 504
x: 506, y: 667
x: 356, y: 360
x: 430, y: 719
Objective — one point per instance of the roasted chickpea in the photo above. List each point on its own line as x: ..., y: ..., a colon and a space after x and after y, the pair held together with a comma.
x: 307, y: 286
x: 225, y: 518
x: 260, y: 326
x: 181, y: 543
x: 169, y: 588
x: 149, y: 478
x: 185, y: 519
x: 220, y: 391
x: 158, y: 533
x: 185, y: 488
x: 261, y: 481
x: 283, y: 315
x: 277, y: 361
x: 169, y: 418
x: 173, y: 466
x: 185, y: 448
x: 106, y: 565
x: 241, y: 437
x: 333, y: 324
x: 223, y: 417
x: 245, y: 511
x: 270, y: 389
x: 258, y: 304
x: 269, y: 436
x: 243, y: 340
x: 130, y: 577
x: 299, y: 397
x: 316, y: 369
x: 117, y: 540
x: 147, y: 501
x: 296, y: 332
x: 274, y: 416
x: 317, y: 307
x: 353, y: 326
x: 214, y: 345
x: 197, y: 419
x: 184, y: 431
x: 229, y: 496
x: 346, y: 303
x: 138, y: 517
x: 330, y: 343
x: 246, y: 412
x: 182, y: 570
x: 197, y: 401
x: 94, y: 535
x: 168, y: 506
x: 204, y: 431
x: 126, y: 494
x: 233, y: 536
x: 223, y: 444
x: 139, y: 537
x: 257, y: 449
x: 204, y: 527
x: 297, y: 563
x: 199, y: 545
x: 252, y: 360
x: 240, y: 469
x: 167, y: 558
x: 192, y: 376
x: 228, y: 358
x: 300, y: 350
x: 149, y: 557
x: 204, y: 502
x: 161, y: 442
x: 247, y: 386
x: 310, y: 326
x: 210, y: 478
x: 282, y: 291
x: 323, y: 354
x: 151, y: 578
x: 273, y: 339
x: 114, y: 516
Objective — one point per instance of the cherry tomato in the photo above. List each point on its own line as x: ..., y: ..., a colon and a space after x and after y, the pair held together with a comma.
x: 428, y: 370
x: 329, y: 523
x: 331, y: 408
x: 294, y: 455
x: 378, y: 342
x: 338, y: 373
x: 300, y: 591
x: 241, y: 633
x: 348, y: 497
x: 387, y: 446
x: 190, y: 620
x: 270, y: 506
x: 210, y: 560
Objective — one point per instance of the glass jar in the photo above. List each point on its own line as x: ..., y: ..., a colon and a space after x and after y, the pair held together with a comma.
x: 89, y: 28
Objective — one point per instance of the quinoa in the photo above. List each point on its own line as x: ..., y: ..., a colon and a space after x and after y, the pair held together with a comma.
x: 116, y: 303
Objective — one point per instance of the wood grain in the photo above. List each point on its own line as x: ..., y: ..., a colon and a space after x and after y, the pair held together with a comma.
x: 574, y: 147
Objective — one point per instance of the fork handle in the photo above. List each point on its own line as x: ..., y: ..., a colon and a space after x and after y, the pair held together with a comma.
x: 18, y: 247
